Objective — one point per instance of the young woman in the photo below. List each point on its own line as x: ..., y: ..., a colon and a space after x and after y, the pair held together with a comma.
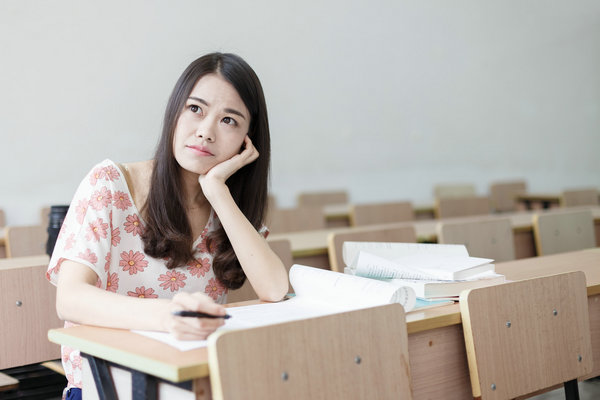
x: 144, y: 239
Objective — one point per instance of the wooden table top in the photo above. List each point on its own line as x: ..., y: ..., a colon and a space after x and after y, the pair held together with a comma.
x: 314, y: 242
x: 162, y: 360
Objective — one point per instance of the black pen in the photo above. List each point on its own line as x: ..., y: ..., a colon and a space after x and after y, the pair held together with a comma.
x: 197, y: 314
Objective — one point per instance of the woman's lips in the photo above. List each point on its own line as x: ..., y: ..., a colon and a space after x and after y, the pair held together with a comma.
x: 200, y: 150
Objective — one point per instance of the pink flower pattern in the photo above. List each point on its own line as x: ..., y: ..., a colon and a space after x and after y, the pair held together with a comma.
x: 108, y: 259
x: 81, y: 210
x: 89, y: 256
x: 133, y: 262
x: 172, y: 280
x: 199, y: 267
x: 105, y: 224
x: 97, y: 174
x: 70, y: 242
x: 214, y: 289
x: 96, y: 230
x: 115, y: 237
x: 111, y: 173
x: 121, y: 200
x: 100, y: 199
x: 112, y: 284
x: 133, y: 225
x: 142, y: 292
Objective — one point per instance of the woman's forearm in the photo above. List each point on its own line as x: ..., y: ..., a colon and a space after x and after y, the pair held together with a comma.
x: 263, y: 268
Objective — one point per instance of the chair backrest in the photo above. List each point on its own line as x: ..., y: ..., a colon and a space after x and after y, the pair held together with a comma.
x: 527, y: 335
x: 559, y: 232
x: 381, y: 213
x: 583, y: 197
x: 488, y: 238
x: 322, y: 198
x: 503, y: 195
x: 27, y: 311
x: 44, y: 216
x: 462, y: 206
x: 283, y: 249
x: 24, y: 241
x: 284, y: 220
x: 442, y: 191
x: 361, y: 354
x: 2, y: 218
x: 335, y: 240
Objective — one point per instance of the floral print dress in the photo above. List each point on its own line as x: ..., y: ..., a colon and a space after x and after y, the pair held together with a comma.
x: 102, y: 230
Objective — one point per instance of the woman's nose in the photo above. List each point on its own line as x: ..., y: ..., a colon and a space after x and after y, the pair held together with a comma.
x: 206, y: 131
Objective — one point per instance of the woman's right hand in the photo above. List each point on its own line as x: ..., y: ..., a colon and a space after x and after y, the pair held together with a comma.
x: 192, y: 328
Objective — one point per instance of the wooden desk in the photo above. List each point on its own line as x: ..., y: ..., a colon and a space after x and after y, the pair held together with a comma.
x: 27, y: 311
x: 438, y: 360
x: 540, y: 200
x: 338, y: 215
x: 310, y: 247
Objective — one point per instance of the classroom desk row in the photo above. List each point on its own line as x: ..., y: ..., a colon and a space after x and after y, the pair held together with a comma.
x: 438, y: 361
x: 310, y: 247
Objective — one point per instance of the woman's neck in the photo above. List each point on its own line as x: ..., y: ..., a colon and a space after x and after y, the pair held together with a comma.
x: 193, y: 197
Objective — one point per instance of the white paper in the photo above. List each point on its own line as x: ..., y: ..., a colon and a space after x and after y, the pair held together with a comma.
x: 318, y: 292
x: 392, y: 250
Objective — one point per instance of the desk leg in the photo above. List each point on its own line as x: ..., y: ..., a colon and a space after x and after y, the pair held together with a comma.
x: 571, y: 390
x: 143, y: 386
x: 102, y: 378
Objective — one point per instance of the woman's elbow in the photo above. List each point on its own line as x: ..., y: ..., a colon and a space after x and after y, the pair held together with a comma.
x: 275, y: 292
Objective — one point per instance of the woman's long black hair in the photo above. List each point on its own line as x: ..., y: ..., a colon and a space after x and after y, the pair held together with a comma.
x: 168, y: 233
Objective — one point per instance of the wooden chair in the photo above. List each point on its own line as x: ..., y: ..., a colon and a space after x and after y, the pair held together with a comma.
x: 381, y: 213
x: 503, y: 195
x: 403, y: 234
x: 27, y: 312
x: 283, y: 249
x: 360, y: 354
x: 583, y: 197
x: 563, y: 231
x: 320, y: 199
x: 284, y: 220
x: 528, y: 335
x: 442, y: 191
x: 487, y: 238
x: 24, y: 241
x: 2, y: 218
x: 462, y: 206
x: 45, y: 216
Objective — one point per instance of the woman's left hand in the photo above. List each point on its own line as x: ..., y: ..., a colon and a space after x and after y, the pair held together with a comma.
x: 222, y: 171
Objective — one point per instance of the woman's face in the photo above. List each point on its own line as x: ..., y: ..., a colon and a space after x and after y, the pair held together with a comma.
x: 212, y: 125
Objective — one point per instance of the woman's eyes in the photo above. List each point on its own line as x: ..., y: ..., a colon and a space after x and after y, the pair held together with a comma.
x: 229, y: 121
x: 198, y: 110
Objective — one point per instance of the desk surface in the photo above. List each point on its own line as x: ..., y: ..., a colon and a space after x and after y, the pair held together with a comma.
x: 314, y: 242
x: 162, y: 360
x: 29, y: 261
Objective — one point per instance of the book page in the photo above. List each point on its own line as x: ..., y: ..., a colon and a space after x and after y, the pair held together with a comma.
x: 444, y: 267
x: 371, y: 266
x: 391, y: 250
x: 345, y: 290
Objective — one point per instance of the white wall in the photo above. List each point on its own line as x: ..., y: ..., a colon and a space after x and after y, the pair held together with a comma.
x: 383, y: 98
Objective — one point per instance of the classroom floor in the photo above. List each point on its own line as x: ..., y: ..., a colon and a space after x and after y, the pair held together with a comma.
x: 588, y: 390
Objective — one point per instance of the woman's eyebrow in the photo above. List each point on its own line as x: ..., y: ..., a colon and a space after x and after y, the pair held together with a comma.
x: 227, y: 110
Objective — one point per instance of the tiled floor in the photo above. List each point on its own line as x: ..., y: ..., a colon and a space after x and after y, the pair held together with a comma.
x: 588, y: 390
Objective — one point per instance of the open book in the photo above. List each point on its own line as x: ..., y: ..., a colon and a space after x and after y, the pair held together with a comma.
x: 317, y: 292
x: 431, y: 270
x: 412, y: 261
